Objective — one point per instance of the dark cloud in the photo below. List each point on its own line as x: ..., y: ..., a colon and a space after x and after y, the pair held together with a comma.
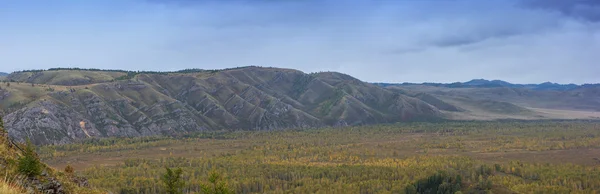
x: 582, y: 9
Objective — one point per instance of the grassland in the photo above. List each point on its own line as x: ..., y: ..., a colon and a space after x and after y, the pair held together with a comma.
x: 498, y: 157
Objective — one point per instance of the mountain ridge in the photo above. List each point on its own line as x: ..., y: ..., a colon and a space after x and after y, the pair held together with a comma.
x: 61, y: 106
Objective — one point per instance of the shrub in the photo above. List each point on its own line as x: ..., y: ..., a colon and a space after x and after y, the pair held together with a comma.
x: 69, y: 170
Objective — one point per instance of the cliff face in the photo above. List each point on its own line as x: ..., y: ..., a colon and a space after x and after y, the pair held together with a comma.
x: 249, y: 98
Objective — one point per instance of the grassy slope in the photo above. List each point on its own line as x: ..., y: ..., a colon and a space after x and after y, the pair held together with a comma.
x: 66, y: 77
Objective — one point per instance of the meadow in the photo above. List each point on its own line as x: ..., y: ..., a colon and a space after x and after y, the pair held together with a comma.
x: 446, y: 157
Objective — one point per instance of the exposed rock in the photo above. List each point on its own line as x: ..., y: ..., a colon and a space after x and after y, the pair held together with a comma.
x: 49, y: 185
x: 249, y: 98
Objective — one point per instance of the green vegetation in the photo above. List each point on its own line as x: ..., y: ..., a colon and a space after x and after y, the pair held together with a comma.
x: 29, y: 164
x: 326, y: 106
x: 172, y: 180
x: 129, y: 75
x: 438, y: 183
x: 216, y: 185
x: 466, y: 157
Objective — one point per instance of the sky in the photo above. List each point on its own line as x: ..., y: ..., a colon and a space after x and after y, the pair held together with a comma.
x: 520, y: 41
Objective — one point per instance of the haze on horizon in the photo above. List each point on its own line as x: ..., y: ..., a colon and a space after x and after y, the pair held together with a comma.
x: 520, y: 41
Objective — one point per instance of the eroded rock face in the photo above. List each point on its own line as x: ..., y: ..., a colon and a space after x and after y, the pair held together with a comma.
x: 46, y: 122
x: 247, y: 98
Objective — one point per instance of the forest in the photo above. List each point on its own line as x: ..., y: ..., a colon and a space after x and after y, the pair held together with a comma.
x: 417, y: 157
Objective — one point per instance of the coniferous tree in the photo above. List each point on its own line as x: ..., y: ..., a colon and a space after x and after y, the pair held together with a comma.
x: 172, y: 180
x: 217, y: 185
x: 29, y: 164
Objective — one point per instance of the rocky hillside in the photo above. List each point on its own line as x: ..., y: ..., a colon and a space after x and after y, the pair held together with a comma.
x: 59, y: 106
x: 48, y: 180
x: 62, y: 106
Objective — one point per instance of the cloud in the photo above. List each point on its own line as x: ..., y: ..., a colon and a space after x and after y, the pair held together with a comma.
x: 390, y: 41
x: 581, y: 9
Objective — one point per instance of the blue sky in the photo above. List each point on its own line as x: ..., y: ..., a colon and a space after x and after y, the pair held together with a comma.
x: 521, y: 41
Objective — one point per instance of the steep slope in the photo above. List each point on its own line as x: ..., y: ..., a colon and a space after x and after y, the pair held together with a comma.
x: 143, y: 104
x: 48, y: 181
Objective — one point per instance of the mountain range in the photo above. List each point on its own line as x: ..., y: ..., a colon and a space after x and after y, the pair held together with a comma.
x: 483, y: 83
x: 484, y: 99
x: 58, y: 106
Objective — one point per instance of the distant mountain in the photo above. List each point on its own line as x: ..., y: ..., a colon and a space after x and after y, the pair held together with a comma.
x: 476, y: 95
x: 486, y: 83
x: 482, y: 83
x: 2, y: 74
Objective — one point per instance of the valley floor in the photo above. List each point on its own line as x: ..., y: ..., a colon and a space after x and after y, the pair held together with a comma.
x: 502, y: 157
